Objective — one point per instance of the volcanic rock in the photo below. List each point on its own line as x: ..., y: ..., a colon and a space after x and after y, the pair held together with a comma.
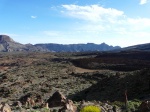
x: 57, y: 99
x: 31, y: 99
x: 4, y: 107
x: 68, y: 107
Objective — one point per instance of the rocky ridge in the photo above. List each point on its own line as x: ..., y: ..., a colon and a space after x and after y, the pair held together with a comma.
x: 7, y: 44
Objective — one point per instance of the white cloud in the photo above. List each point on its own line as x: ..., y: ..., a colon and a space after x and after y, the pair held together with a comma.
x: 92, y: 13
x: 33, y: 17
x: 143, y: 2
x: 104, y: 19
x: 108, y: 24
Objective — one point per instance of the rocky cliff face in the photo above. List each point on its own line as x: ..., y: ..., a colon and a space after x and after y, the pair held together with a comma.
x: 77, y: 47
x: 7, y: 44
x: 5, y: 38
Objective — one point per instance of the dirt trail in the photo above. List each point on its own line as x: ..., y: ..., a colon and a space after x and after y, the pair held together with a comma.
x: 82, y: 70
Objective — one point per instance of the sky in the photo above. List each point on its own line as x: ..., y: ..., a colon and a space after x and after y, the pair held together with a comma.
x: 114, y: 22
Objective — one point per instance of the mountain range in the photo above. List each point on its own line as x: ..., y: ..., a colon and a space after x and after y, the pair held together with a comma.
x: 7, y: 44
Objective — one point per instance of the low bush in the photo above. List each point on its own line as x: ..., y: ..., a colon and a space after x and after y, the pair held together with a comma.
x: 90, y: 109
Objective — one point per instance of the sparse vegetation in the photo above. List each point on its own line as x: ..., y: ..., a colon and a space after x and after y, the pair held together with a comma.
x: 132, y: 105
x: 45, y: 73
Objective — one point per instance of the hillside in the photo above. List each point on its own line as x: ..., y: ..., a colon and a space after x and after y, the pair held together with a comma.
x: 140, y: 47
x: 113, y: 87
x: 7, y: 44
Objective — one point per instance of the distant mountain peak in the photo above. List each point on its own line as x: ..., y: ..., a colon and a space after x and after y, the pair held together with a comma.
x: 5, y: 38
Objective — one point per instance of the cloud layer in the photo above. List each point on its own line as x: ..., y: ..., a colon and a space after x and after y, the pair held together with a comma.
x: 109, y: 23
x: 93, y: 13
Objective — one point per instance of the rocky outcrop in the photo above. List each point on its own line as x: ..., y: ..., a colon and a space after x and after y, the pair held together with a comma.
x: 7, y: 44
x: 5, y: 38
x: 31, y: 99
x: 57, y: 99
x: 68, y: 107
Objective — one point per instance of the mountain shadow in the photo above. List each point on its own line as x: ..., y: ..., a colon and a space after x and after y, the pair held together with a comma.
x: 112, y: 88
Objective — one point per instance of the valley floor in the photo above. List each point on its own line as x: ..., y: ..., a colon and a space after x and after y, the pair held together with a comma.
x: 78, y: 77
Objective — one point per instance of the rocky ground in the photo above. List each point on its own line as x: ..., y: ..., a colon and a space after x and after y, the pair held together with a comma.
x: 40, y: 75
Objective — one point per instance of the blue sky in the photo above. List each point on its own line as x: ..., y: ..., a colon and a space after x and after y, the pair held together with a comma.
x: 115, y: 22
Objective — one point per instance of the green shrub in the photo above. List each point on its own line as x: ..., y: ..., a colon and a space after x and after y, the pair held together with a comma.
x: 118, y: 103
x: 45, y: 110
x: 90, y: 109
x: 133, y: 105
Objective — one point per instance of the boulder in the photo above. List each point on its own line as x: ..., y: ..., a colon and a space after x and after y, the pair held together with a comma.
x: 68, y: 107
x: 4, y: 107
x: 56, y: 100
